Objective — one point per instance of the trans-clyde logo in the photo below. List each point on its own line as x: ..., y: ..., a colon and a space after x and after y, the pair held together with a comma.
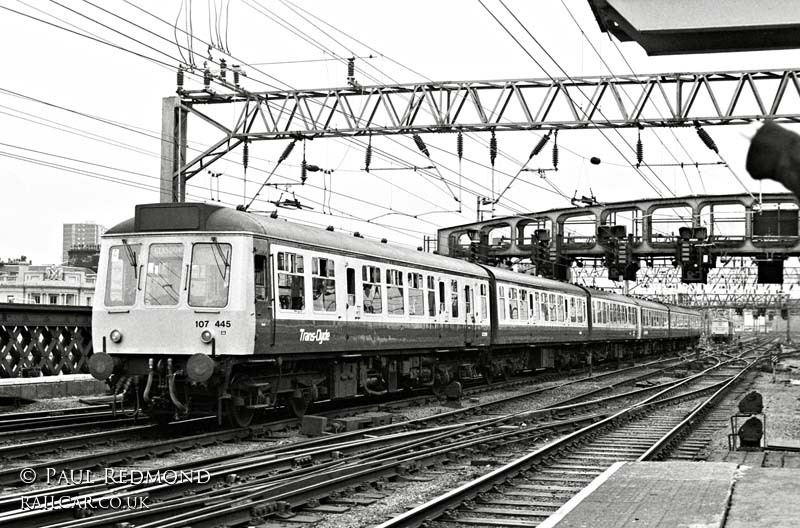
x: 318, y: 336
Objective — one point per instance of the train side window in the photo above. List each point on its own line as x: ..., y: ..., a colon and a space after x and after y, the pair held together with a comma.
x: 291, y: 281
x: 371, y: 283
x: 260, y: 277
x: 442, y: 297
x: 323, y: 284
x: 523, y: 305
x: 513, y: 309
x: 431, y: 296
x: 501, y: 304
x: 544, y: 307
x: 351, y: 286
x: 454, y: 297
x: 573, y: 317
x: 531, y: 306
x: 416, y: 296
x: 394, y: 292
x: 467, y: 300
x: 484, y: 302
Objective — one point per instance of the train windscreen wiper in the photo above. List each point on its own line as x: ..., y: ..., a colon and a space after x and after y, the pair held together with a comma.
x: 225, y: 262
x: 131, y: 257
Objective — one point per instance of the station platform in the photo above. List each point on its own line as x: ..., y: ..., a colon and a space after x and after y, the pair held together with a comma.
x: 684, y: 494
x: 43, y: 387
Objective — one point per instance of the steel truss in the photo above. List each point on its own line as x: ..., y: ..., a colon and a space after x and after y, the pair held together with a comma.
x: 730, y: 286
x: 651, y: 100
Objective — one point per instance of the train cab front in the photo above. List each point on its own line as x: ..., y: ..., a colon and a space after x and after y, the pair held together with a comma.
x: 170, y: 315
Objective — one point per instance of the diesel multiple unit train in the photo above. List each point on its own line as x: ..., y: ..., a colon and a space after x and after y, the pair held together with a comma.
x: 202, y: 309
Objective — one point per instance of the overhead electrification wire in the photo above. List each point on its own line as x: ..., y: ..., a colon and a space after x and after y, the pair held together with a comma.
x: 525, y: 50
x: 610, y: 71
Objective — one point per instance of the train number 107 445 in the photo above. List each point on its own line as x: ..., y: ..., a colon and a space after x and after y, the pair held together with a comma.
x: 217, y: 324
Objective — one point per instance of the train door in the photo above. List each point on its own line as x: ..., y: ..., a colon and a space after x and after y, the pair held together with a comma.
x: 264, y: 298
x: 352, y: 306
x: 469, y: 314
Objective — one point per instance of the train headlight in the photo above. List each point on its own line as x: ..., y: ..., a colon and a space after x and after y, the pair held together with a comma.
x: 116, y: 336
x: 206, y: 336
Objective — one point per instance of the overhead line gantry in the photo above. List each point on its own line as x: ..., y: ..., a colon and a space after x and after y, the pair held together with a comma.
x: 627, y: 101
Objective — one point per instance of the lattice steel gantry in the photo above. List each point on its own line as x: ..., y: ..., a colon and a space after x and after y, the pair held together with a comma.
x: 651, y: 100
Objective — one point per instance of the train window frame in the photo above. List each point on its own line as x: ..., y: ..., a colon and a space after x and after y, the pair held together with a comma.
x: 544, y: 306
x: 290, y: 264
x: 260, y: 263
x: 215, y: 247
x: 323, y: 278
x: 454, y: 300
x: 152, y: 275
x: 371, y: 283
x: 416, y: 283
x: 394, y: 282
x: 523, y: 305
x: 501, y: 303
x: 573, y: 316
x: 484, y: 296
x: 430, y: 295
x: 513, y: 304
x: 123, y: 255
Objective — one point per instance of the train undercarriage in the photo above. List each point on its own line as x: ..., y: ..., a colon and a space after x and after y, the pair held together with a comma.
x: 236, y: 388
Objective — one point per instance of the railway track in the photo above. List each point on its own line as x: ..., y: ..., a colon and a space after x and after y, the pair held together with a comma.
x: 17, y: 450
x: 323, y: 466
x: 530, y: 488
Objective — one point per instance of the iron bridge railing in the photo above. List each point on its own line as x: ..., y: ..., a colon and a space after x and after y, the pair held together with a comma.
x: 44, y: 340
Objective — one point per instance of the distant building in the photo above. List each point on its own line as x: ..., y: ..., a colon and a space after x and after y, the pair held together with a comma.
x: 80, y: 236
x: 62, y: 285
x: 84, y: 257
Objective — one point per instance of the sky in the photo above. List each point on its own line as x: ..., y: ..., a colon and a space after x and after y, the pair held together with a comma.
x: 80, y: 119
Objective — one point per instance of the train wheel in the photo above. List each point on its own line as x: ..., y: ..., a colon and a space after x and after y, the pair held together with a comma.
x: 297, y: 406
x: 236, y: 414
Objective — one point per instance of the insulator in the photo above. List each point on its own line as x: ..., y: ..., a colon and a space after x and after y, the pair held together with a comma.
x: 421, y: 145
x: 460, y: 145
x: 313, y: 168
x: 223, y: 68
x: 236, y: 78
x: 180, y: 78
x: 288, y: 150
x: 368, y: 156
x: 246, y: 155
x: 207, y: 78
x: 594, y: 160
x: 351, y: 68
x: 639, y: 151
x: 540, y: 145
x: 303, y: 169
x: 555, y: 152
x: 492, y: 148
x: 707, y: 140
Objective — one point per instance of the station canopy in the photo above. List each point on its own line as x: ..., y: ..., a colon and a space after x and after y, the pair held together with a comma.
x: 701, y: 26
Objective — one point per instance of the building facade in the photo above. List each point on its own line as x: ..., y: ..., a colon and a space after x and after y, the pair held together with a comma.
x: 60, y: 285
x: 80, y: 236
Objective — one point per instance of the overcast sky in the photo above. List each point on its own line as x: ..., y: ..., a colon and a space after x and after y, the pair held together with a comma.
x: 414, y: 40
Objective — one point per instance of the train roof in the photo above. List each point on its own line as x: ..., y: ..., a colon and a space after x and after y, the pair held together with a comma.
x: 536, y: 282
x: 601, y: 294
x: 187, y: 217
